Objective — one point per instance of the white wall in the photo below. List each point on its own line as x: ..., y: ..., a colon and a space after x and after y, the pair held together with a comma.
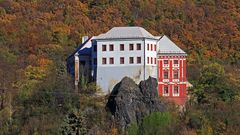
x: 151, y: 68
x: 108, y: 75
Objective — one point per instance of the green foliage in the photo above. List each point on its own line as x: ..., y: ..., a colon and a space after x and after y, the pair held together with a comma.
x: 74, y: 124
x: 26, y: 89
x: 35, y: 73
x: 213, y: 85
x: 156, y: 123
x: 7, y: 56
x: 133, y: 129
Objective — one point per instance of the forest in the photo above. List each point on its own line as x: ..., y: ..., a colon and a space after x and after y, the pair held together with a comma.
x: 37, y: 96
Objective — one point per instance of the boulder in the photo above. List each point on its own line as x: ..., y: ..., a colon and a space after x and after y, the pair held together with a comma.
x: 130, y: 102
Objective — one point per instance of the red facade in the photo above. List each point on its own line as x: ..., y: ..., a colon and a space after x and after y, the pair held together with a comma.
x: 172, y: 81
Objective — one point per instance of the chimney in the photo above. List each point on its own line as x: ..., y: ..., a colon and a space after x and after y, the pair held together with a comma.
x: 76, y: 67
x: 84, y: 38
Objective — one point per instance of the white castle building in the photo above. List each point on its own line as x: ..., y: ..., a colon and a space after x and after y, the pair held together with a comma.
x: 122, y: 51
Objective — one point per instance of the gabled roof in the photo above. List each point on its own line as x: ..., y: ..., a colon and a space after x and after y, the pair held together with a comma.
x: 166, y: 46
x: 126, y: 32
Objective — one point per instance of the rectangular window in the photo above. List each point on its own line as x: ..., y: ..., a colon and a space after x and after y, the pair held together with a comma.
x: 138, y: 60
x: 151, y: 47
x: 175, y: 62
x: 165, y: 75
x: 138, y: 46
x: 165, y: 90
x: 151, y: 60
x: 95, y: 48
x: 121, y: 60
x: 176, y: 91
x: 95, y: 61
x: 165, y: 61
x: 111, y: 60
x: 121, y: 47
x: 104, y: 48
x: 104, y: 61
x: 155, y: 47
x: 131, y: 47
x: 147, y: 46
x: 175, y: 75
x: 131, y: 60
x: 147, y: 60
x: 111, y: 47
x: 155, y: 60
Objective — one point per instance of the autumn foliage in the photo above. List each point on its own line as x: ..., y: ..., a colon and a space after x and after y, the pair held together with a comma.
x: 36, y: 36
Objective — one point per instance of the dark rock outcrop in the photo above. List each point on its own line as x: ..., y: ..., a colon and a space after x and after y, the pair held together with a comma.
x: 129, y: 102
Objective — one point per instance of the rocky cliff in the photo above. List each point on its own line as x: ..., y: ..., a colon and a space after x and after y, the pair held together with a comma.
x: 130, y: 102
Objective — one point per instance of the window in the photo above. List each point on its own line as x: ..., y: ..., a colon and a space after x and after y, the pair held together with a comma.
x: 131, y: 60
x: 138, y: 46
x: 147, y: 60
x: 111, y: 60
x: 155, y: 47
x: 111, y: 47
x: 121, y: 60
x: 151, y: 47
x: 104, y: 48
x: 95, y: 61
x: 165, y: 91
x: 147, y: 46
x: 155, y: 60
x: 131, y: 47
x: 139, y: 60
x: 121, y: 47
x: 95, y: 48
x: 175, y: 62
x: 151, y: 60
x: 175, y: 75
x: 165, y: 75
x: 104, y: 61
x: 165, y: 61
x: 176, y: 91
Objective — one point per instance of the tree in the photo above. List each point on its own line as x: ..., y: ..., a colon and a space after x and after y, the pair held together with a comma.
x: 74, y: 124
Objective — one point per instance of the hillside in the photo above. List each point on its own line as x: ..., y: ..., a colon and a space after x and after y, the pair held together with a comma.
x: 36, y: 36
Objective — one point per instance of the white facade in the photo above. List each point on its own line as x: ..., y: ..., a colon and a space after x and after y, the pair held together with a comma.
x: 139, y: 61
